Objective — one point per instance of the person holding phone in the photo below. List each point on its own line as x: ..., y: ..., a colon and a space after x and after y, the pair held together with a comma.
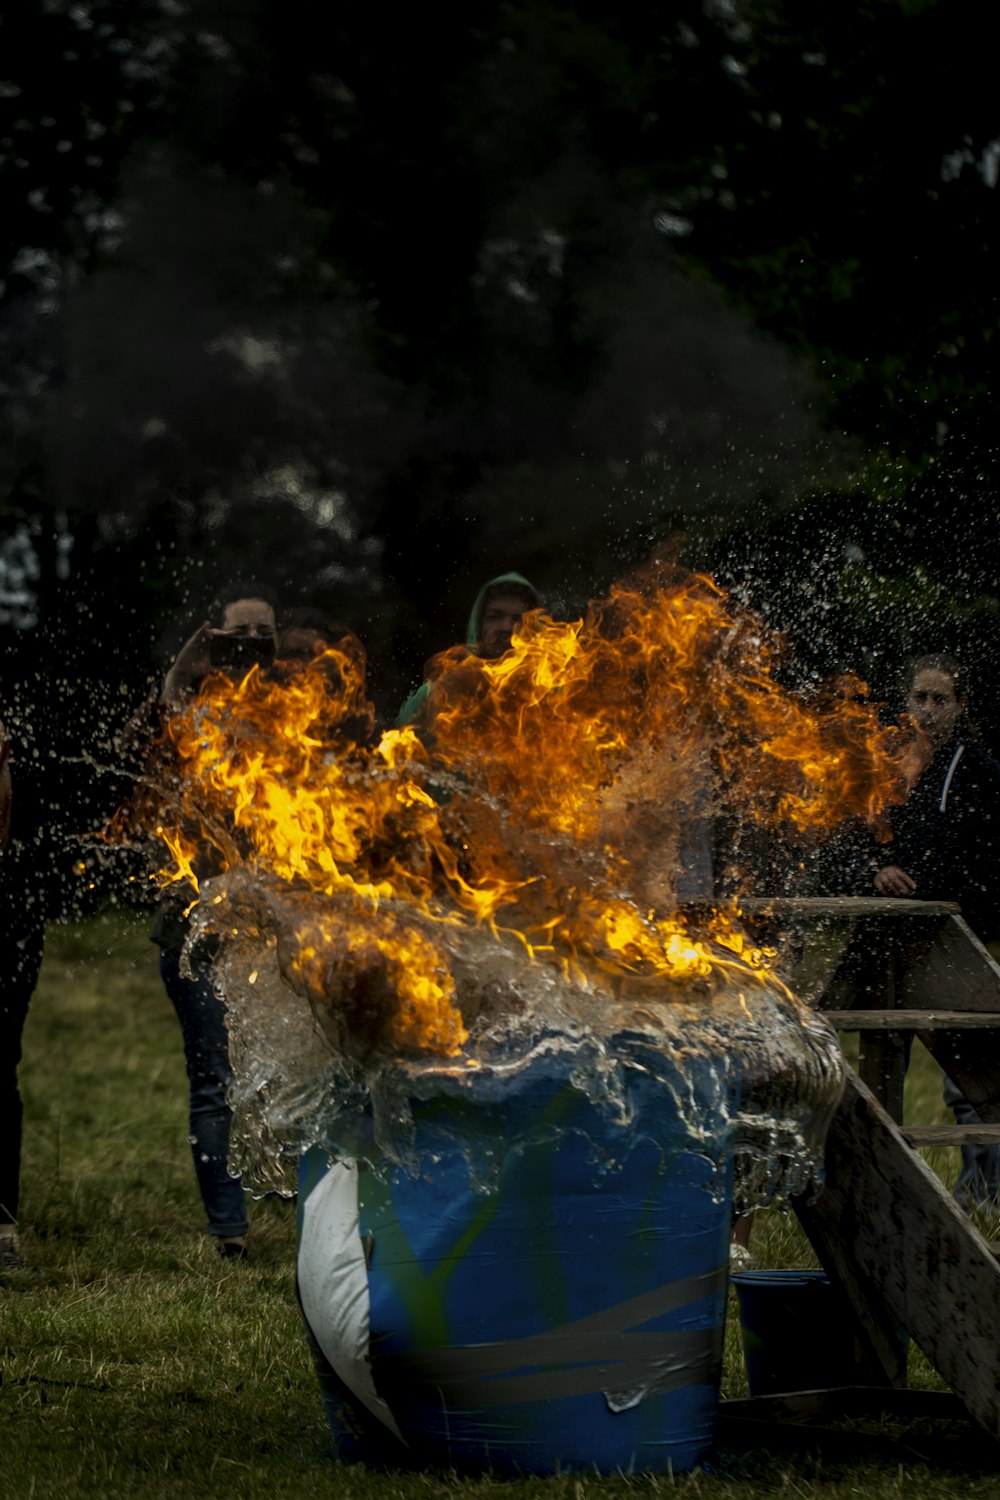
x: 245, y: 635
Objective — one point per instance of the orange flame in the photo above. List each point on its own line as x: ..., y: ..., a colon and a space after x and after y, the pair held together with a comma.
x: 548, y: 793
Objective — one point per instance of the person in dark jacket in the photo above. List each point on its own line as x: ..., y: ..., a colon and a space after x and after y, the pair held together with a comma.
x: 495, y: 615
x: 946, y: 847
x: 308, y: 633
x: 246, y: 632
x: 22, y: 930
x: 946, y: 836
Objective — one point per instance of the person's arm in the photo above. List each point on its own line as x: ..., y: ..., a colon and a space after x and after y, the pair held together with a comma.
x: 413, y: 707
x: 894, y: 863
x: 191, y: 666
x: 6, y: 794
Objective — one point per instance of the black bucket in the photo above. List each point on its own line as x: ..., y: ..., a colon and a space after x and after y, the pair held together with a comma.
x: 797, y: 1332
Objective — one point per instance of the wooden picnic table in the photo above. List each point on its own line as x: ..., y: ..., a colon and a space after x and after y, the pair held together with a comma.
x: 883, y: 1226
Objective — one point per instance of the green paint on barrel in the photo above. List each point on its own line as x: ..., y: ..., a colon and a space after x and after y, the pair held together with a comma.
x: 571, y: 1318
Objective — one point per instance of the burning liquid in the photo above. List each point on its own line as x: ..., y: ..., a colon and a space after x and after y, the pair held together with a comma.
x: 440, y: 910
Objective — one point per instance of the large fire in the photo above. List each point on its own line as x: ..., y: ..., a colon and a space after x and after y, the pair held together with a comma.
x: 554, y: 795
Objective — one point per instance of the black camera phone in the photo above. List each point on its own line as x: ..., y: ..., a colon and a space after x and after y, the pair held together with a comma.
x: 240, y: 652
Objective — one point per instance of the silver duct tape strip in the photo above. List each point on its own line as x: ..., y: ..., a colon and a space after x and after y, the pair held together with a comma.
x: 585, y: 1339
x: 475, y: 1361
x: 680, y: 1359
x: 597, y: 1353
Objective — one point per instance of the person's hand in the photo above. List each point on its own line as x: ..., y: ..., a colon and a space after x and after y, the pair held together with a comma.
x: 892, y: 881
x: 191, y: 666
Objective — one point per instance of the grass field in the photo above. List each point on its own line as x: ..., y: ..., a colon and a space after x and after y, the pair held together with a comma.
x: 136, y: 1363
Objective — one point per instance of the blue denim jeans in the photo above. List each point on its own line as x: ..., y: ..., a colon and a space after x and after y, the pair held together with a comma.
x: 978, y: 1184
x: 20, y: 958
x: 206, y: 1050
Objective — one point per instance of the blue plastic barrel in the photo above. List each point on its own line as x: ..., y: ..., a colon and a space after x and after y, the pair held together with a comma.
x: 572, y: 1318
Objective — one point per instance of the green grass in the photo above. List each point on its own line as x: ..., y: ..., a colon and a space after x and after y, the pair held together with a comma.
x: 135, y: 1362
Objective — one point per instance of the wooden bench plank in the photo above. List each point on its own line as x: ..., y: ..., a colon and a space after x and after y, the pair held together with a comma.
x: 932, y: 1427
x: 787, y: 908
x: 913, y: 1020
x: 951, y: 1135
x: 848, y: 1402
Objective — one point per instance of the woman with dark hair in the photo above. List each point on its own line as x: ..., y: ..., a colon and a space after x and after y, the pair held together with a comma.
x: 946, y: 837
x: 946, y: 847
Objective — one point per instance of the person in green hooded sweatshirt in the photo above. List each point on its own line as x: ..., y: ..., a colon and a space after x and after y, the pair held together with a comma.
x: 498, y: 608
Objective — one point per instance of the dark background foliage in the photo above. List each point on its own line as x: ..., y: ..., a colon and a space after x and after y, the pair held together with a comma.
x: 373, y: 303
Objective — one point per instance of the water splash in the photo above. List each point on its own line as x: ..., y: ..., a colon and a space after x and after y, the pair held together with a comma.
x: 434, y: 919
x: 750, y: 1077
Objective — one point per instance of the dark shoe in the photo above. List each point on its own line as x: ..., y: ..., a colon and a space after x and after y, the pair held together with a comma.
x: 230, y: 1251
